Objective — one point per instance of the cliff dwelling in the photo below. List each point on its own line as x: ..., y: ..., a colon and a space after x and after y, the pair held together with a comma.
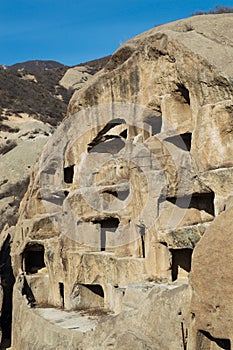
x: 206, y: 342
x: 69, y: 174
x: 138, y: 253
x: 183, y: 141
x: 106, y: 227
x: 33, y: 258
x: 181, y: 263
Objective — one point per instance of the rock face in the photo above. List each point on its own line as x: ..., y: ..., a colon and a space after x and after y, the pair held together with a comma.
x: 77, y: 76
x: 24, y: 130
x: 127, y: 186
x: 21, y: 141
x: 212, y: 301
x: 23, y: 133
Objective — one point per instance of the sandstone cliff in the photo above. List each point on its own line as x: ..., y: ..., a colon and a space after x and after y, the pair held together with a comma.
x: 27, y: 121
x: 121, y: 207
x: 32, y: 104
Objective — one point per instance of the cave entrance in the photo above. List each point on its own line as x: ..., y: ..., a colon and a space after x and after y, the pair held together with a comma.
x: 7, y: 282
x: 91, y: 296
x: 69, y: 174
x: 205, y: 341
x: 181, y: 263
x: 62, y: 294
x: 155, y: 123
x: 184, y: 92
x: 33, y: 258
x: 182, y: 141
x: 107, y: 225
x: 121, y: 195
x: 110, y: 144
x: 142, y: 232
x: 106, y: 142
x: 200, y: 201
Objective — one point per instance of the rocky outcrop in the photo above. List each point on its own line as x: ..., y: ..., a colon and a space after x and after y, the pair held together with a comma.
x: 24, y: 131
x: 22, y: 137
x: 76, y: 77
x: 125, y: 189
x: 212, y: 301
x: 21, y: 141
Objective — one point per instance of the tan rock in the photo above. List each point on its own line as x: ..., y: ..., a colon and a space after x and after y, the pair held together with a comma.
x: 75, y: 77
x: 211, y: 272
x: 122, y: 193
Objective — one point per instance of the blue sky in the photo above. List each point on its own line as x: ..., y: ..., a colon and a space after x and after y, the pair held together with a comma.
x: 73, y: 31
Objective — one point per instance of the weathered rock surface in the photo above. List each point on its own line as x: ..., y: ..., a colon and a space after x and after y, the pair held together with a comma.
x: 75, y: 77
x: 123, y: 192
x: 21, y: 142
x: 22, y: 137
x: 137, y: 326
x: 212, y: 302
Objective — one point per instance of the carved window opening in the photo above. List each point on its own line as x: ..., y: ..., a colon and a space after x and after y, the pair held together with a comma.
x: 91, y: 296
x: 205, y: 341
x: 107, y: 225
x: 155, y: 123
x: 33, y: 258
x: 200, y: 201
x: 121, y: 195
x: 95, y: 288
x: 66, y: 193
x: 62, y: 294
x: 142, y: 232
x: 69, y: 174
x: 103, y: 143
x: 124, y: 134
x: 182, y: 141
x: 181, y: 262
x: 184, y: 92
x: 109, y: 144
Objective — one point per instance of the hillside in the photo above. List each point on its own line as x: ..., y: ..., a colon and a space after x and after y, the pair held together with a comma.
x: 38, y: 65
x: 32, y: 105
x: 35, y: 92
x: 33, y: 88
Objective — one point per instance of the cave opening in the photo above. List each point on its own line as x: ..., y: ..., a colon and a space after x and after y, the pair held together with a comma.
x: 121, y: 195
x: 142, y: 232
x: 7, y: 282
x: 181, y: 262
x: 90, y: 297
x: 110, y: 144
x: 184, y: 92
x: 95, y: 288
x: 62, y: 294
x: 205, y: 341
x: 33, y: 258
x: 182, y: 141
x: 155, y: 122
x: 107, y: 225
x: 103, y: 143
x: 69, y: 174
x: 200, y: 201
x: 124, y: 134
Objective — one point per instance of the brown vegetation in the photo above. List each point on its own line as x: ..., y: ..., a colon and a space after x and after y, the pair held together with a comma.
x: 216, y: 10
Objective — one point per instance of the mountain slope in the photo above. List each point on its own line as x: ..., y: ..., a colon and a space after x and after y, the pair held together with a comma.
x: 32, y: 104
x: 35, y: 92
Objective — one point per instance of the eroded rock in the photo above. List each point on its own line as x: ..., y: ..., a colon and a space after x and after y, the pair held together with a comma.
x: 124, y: 191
